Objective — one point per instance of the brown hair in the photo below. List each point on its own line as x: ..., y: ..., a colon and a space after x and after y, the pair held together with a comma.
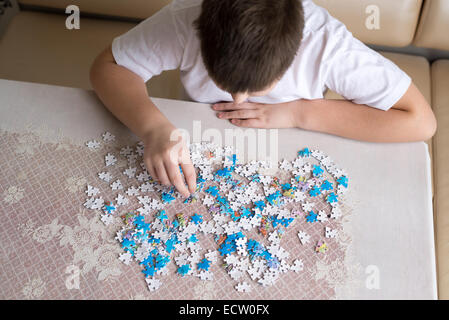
x: 246, y: 45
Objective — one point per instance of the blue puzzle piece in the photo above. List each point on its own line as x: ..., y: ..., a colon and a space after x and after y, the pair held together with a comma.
x: 149, y: 271
x: 315, y: 191
x: 260, y: 205
x: 148, y: 261
x: 245, y: 212
x: 343, y: 180
x: 255, y: 178
x: 226, y: 248
x: 282, y: 221
x: 109, y: 209
x: 167, y: 197
x: 197, y: 218
x: 138, y: 220
x: 193, y: 238
x: 286, y: 186
x: 169, y: 245
x: 326, y: 186
x: 311, y: 217
x: 183, y: 270
x: 317, y: 170
x: 332, y: 197
x: 162, y: 215
x: 128, y: 245
x: 225, y: 172
x: 266, y: 255
x: 304, y: 152
x: 212, y: 190
x: 254, y: 248
x: 204, y: 265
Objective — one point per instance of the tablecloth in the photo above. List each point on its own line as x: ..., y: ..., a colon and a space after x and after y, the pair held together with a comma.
x: 385, y: 248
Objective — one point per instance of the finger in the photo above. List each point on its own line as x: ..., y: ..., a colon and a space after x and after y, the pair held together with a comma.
x: 150, y: 169
x: 187, y: 169
x: 239, y: 114
x: 190, y: 175
x: 175, y: 177
x: 234, y: 106
x: 248, y: 123
x: 161, y: 173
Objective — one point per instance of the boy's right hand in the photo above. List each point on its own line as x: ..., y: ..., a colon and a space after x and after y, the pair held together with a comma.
x: 164, y: 153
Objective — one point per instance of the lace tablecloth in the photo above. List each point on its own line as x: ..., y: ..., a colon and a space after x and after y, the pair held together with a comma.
x: 384, y: 248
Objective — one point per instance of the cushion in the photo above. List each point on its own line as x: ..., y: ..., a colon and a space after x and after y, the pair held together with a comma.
x: 36, y: 47
x: 137, y: 9
x: 440, y: 98
x: 434, y: 25
x: 397, y: 19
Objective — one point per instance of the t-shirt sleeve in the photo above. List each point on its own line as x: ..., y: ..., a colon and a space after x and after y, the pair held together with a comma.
x: 151, y: 47
x: 362, y: 75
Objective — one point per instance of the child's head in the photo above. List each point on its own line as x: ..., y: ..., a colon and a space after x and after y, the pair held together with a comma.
x: 247, y: 45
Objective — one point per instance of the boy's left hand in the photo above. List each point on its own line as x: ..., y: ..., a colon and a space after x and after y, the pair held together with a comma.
x: 257, y: 115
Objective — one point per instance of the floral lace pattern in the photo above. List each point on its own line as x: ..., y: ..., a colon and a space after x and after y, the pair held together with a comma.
x: 75, y: 184
x: 46, y: 230
x: 34, y: 289
x: 13, y: 194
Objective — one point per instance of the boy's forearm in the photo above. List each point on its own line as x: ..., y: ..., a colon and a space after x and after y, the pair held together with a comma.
x: 347, y: 119
x: 124, y: 94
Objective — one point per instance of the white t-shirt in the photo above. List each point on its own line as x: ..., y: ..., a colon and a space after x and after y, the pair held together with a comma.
x: 328, y: 57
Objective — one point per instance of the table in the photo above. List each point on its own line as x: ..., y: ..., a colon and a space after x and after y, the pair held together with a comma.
x: 47, y: 236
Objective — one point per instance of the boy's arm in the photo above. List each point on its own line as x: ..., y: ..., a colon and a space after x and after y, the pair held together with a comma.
x: 410, y: 119
x: 124, y: 93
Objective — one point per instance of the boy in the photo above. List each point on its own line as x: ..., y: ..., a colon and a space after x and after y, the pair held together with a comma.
x: 270, y: 61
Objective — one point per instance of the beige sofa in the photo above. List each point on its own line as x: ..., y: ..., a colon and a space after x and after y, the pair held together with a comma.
x: 37, y: 47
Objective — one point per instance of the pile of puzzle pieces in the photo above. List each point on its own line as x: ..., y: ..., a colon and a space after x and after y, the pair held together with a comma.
x: 240, y: 199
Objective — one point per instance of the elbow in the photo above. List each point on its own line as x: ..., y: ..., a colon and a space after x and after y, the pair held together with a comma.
x: 426, y: 125
x: 432, y: 127
x: 99, y: 64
